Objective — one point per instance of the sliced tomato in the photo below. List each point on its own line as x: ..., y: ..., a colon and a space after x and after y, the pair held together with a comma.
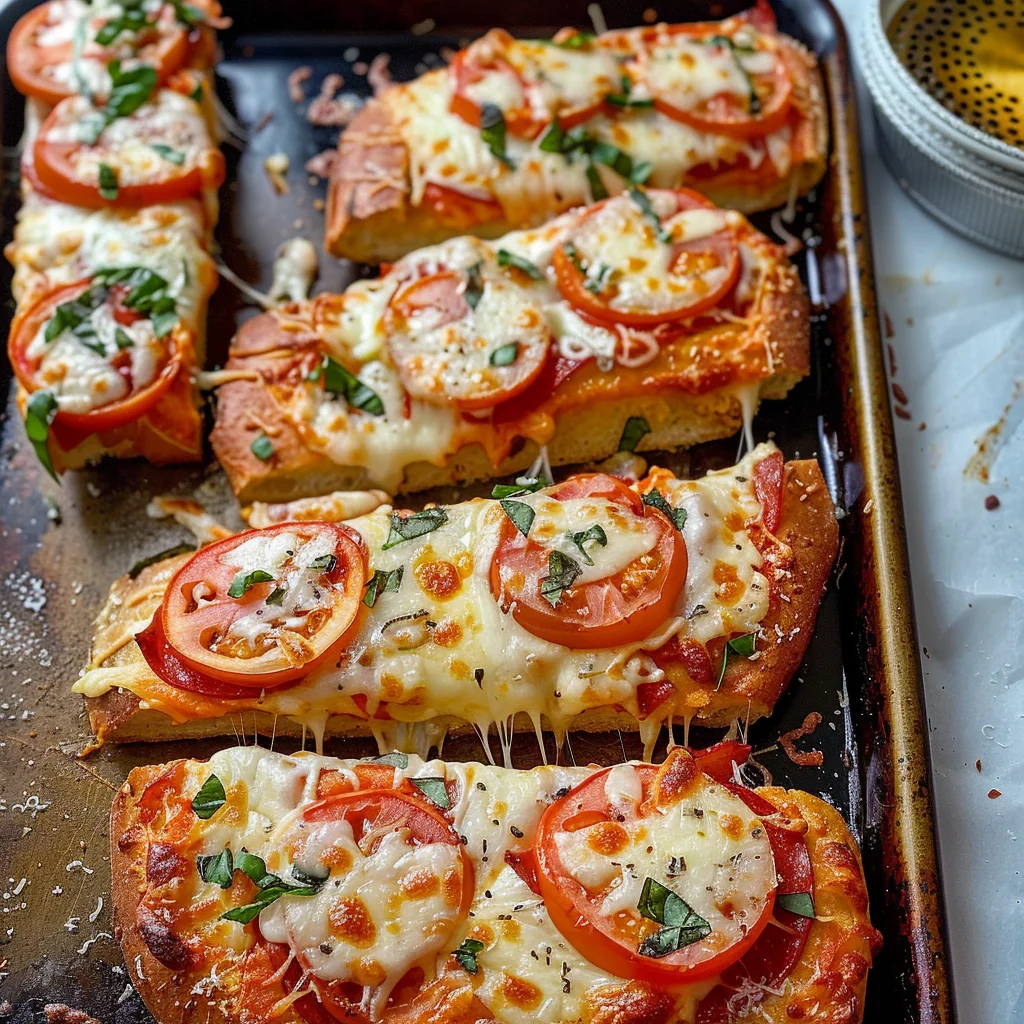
x: 111, y: 415
x: 198, y: 611
x: 70, y: 169
x: 556, y: 371
x: 165, y: 661
x: 761, y: 112
x: 372, y: 814
x: 34, y: 63
x: 717, y: 761
x: 455, y: 209
x: 699, y: 272
x: 777, y: 952
x: 769, y: 475
x: 618, y: 609
x: 576, y: 912
x: 471, y: 356
x: 470, y: 67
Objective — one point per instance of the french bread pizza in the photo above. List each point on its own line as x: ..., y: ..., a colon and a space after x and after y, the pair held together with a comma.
x: 120, y: 171
x: 591, y: 604
x: 256, y: 888
x: 515, y: 131
x: 465, y: 358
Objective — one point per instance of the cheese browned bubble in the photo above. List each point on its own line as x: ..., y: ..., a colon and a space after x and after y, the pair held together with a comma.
x: 379, y: 914
x: 440, y: 645
x: 417, y: 425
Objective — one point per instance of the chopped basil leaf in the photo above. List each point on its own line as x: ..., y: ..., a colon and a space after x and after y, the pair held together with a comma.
x: 577, y: 41
x: 467, y: 953
x: 523, y: 485
x: 595, y: 533
x: 74, y: 315
x: 145, y: 563
x: 245, y: 581
x: 174, y: 156
x: 799, y: 903
x: 510, y: 259
x: 39, y: 414
x: 682, y: 924
x: 474, y: 285
x: 338, y: 381
x: 676, y: 516
x: 108, y: 182
x: 197, y: 93
x: 148, y: 295
x: 623, y: 97
x: 395, y: 758
x: 255, y: 869
x: 306, y: 878
x: 381, y: 582
x: 434, y: 790
x: 641, y: 172
x: 271, y: 887
x: 742, y: 646
x: 520, y: 513
x: 324, y: 563
x: 754, y: 101
x: 596, y: 283
x: 276, y: 596
x: 505, y: 355
x: 563, y: 572
x: 209, y: 799
x: 635, y: 430
x: 492, y: 131
x: 123, y: 339
x: 128, y: 90
x: 643, y: 201
x: 405, y: 528
x: 188, y: 14
x: 553, y: 140
x: 262, y: 447
x: 216, y: 868
x: 597, y: 189
x: 132, y: 20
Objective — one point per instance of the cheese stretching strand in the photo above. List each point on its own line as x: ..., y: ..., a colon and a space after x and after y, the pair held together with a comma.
x: 589, y: 603
x: 515, y: 131
x: 464, y: 358
x: 120, y: 173
x: 259, y: 887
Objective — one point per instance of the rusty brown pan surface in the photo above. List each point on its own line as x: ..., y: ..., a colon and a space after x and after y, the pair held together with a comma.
x: 60, y: 548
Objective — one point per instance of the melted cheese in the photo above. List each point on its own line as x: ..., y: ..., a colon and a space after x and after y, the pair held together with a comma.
x: 56, y: 244
x: 707, y: 848
x: 291, y: 560
x: 533, y: 184
x: 427, y: 651
x: 126, y: 144
x: 84, y: 376
x: 417, y: 365
x: 75, y: 24
x: 528, y: 970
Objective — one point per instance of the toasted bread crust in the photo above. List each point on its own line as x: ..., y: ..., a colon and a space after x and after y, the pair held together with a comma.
x: 831, y: 974
x: 370, y: 219
x: 808, y: 529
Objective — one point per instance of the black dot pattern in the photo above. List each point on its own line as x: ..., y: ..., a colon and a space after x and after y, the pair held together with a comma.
x: 968, y: 55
